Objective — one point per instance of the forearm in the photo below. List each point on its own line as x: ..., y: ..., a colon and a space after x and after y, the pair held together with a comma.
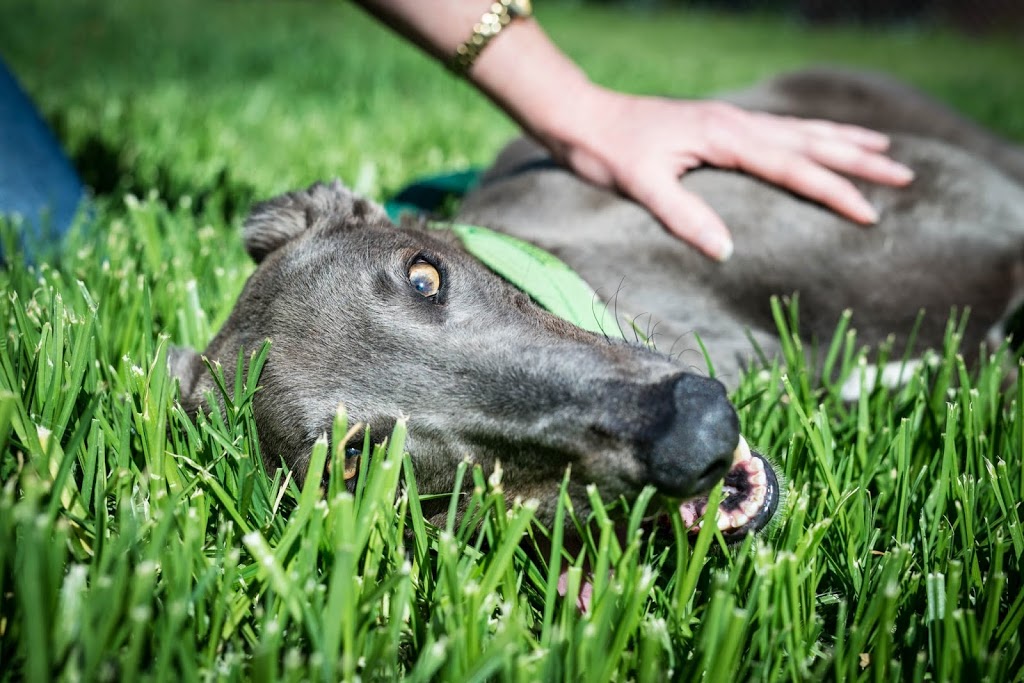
x: 640, y: 146
x: 520, y: 69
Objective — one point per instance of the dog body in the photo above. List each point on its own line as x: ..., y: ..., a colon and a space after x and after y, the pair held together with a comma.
x: 402, y: 322
x: 953, y: 238
x: 482, y: 372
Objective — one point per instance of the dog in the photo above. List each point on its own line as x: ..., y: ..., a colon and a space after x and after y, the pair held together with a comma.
x: 395, y: 322
x: 952, y: 239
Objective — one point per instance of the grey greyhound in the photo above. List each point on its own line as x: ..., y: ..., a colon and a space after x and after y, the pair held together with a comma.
x: 394, y: 321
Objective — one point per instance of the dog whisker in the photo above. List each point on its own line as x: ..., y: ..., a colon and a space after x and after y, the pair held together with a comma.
x: 486, y: 374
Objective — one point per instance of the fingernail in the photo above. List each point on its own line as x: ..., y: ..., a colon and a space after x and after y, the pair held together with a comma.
x: 875, y: 139
x: 867, y: 213
x: 722, y: 249
x: 904, y: 174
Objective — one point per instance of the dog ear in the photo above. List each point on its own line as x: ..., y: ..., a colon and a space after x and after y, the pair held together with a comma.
x: 276, y: 221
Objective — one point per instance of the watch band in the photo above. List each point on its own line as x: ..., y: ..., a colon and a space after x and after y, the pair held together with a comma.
x: 500, y: 15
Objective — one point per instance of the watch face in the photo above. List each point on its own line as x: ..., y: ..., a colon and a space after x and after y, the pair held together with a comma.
x: 520, y: 8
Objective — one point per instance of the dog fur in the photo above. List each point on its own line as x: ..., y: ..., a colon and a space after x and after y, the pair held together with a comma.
x: 485, y: 375
x: 482, y: 372
x: 953, y: 238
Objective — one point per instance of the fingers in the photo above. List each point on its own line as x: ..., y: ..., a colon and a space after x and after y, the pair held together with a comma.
x: 800, y: 174
x: 683, y: 213
x: 862, y: 137
x: 856, y: 161
x: 657, y: 140
x: 841, y: 147
x: 806, y: 156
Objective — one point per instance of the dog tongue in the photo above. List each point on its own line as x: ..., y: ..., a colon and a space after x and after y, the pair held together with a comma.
x: 690, y: 511
x: 586, y: 590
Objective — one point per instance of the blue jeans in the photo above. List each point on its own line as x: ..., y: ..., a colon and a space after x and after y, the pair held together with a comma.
x: 37, y: 181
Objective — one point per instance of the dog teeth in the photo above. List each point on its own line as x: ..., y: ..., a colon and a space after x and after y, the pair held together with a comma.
x: 755, y: 465
x: 742, y: 452
x: 732, y: 520
x: 754, y: 494
x: 752, y: 505
x: 757, y: 474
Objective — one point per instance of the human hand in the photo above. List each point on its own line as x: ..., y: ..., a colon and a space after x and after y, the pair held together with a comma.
x: 640, y: 146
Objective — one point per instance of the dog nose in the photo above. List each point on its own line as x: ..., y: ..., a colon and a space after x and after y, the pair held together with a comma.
x: 696, y: 449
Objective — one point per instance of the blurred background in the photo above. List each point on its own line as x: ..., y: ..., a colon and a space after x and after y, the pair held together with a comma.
x: 219, y: 102
x: 972, y: 16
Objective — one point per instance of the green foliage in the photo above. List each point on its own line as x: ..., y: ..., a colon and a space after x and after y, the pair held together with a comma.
x: 136, y: 544
x: 227, y: 101
x: 545, y: 277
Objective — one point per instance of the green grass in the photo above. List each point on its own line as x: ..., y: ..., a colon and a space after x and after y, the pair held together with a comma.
x: 137, y: 545
x: 241, y: 99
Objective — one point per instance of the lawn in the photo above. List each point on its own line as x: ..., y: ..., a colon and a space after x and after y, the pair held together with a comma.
x: 137, y: 545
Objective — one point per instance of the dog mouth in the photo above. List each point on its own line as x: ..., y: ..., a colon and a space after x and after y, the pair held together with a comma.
x: 750, y: 497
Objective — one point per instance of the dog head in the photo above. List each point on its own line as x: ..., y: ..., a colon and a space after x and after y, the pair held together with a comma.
x: 397, y: 322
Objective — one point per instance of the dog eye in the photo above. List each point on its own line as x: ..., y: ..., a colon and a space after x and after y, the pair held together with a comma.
x: 425, y: 278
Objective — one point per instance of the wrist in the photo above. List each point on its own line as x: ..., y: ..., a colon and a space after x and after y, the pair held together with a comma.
x: 499, y: 14
x: 537, y: 85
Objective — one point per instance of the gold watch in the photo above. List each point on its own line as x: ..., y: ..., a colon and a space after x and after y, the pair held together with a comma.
x: 500, y: 15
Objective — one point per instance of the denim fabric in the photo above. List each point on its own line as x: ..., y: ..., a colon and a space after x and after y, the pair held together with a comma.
x: 37, y: 181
